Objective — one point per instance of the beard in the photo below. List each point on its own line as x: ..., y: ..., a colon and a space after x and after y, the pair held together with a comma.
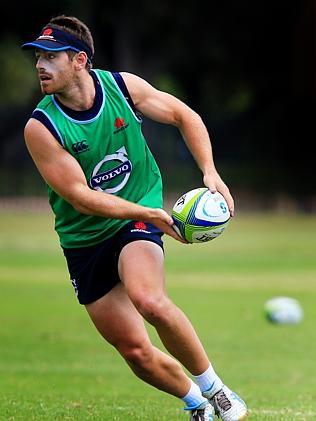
x: 56, y: 83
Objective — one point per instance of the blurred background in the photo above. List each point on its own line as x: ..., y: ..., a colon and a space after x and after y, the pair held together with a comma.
x: 248, y: 68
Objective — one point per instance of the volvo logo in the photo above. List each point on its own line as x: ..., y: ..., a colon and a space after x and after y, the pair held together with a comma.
x: 104, y: 172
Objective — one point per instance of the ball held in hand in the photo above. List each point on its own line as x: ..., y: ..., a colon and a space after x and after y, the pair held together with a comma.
x: 200, y: 216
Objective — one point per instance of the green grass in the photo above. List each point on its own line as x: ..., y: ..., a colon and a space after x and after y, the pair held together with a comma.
x: 55, y: 366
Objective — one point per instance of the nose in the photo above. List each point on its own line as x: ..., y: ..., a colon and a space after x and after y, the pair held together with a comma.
x: 39, y: 63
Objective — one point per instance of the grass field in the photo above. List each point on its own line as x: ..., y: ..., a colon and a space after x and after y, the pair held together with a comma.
x: 54, y: 365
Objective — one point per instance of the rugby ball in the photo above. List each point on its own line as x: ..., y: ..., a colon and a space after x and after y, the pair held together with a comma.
x: 283, y: 310
x: 200, y: 216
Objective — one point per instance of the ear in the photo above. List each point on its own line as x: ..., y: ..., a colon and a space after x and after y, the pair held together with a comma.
x: 81, y: 59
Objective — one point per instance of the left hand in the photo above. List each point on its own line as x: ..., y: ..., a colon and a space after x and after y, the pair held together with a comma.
x: 214, y: 183
x: 162, y: 220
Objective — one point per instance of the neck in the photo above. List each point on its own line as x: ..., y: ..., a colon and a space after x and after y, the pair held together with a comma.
x: 80, y: 95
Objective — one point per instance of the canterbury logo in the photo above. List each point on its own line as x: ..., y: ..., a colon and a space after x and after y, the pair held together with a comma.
x: 79, y: 147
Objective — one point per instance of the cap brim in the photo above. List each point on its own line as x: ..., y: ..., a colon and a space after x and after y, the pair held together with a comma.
x: 48, y: 46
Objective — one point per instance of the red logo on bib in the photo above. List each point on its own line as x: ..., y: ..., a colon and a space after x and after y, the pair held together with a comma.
x: 119, y: 122
x: 140, y: 225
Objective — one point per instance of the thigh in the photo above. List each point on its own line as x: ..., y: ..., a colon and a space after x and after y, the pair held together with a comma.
x: 93, y: 270
x: 117, y: 319
x: 141, y: 269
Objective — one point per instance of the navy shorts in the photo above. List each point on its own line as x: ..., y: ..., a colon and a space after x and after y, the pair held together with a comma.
x: 94, y: 270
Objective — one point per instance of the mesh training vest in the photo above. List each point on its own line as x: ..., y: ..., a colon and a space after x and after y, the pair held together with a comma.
x: 114, y: 157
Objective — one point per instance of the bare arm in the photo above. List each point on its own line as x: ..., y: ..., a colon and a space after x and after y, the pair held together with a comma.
x: 165, y: 108
x: 63, y: 173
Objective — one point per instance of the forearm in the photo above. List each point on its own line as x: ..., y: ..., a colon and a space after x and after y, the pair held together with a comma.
x: 198, y: 141
x: 91, y: 202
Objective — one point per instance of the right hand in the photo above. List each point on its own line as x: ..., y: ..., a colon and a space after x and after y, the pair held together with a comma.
x: 162, y: 220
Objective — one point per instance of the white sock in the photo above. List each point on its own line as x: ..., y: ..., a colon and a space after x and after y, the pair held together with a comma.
x: 193, y: 398
x: 209, y: 381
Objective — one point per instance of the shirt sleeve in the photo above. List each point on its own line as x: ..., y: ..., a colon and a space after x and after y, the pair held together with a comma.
x: 42, y: 117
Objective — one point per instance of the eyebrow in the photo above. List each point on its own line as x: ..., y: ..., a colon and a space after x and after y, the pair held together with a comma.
x: 40, y: 51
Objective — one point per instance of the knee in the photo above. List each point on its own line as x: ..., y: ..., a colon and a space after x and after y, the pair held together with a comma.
x: 137, y: 355
x: 155, y: 309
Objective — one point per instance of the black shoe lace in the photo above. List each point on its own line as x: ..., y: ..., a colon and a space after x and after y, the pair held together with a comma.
x: 197, y: 415
x: 222, y: 401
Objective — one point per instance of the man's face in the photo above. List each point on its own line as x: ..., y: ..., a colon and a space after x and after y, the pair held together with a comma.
x: 55, y: 71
